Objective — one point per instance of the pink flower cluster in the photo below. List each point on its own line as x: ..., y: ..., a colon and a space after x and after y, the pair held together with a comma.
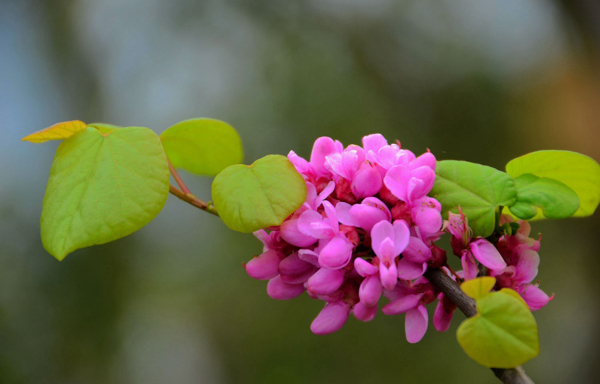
x: 368, y: 229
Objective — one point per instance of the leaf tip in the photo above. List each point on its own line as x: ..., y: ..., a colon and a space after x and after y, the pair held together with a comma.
x: 479, y: 287
x: 58, y: 131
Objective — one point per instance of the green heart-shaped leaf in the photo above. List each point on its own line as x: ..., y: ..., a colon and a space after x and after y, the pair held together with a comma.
x: 261, y: 195
x: 503, y: 334
x: 553, y: 198
x: 576, y: 171
x: 477, y: 189
x: 202, y: 146
x: 103, y: 186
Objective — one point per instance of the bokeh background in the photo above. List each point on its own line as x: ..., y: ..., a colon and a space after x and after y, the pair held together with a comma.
x: 483, y: 81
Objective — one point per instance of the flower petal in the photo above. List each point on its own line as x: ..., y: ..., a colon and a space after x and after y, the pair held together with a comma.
x: 407, y: 270
x: 323, y: 147
x: 487, y: 254
x: 331, y: 318
x: 325, y: 281
x: 265, y: 266
x: 367, y: 216
x: 363, y: 313
x: 443, y: 314
x: 370, y: 291
x: 417, y: 251
x: 469, y: 265
x: 396, y: 180
x: 402, y: 305
x: 367, y: 181
x: 534, y: 297
x: 401, y: 236
x: 342, y: 210
x: 336, y: 254
x: 388, y: 275
x: 527, y: 266
x: 364, y: 268
x: 416, y: 324
x: 280, y: 290
x: 290, y: 233
x: 381, y: 231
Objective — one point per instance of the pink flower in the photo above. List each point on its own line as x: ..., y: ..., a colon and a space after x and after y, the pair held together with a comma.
x: 365, y: 215
x: 443, y: 313
x: 294, y: 270
x: 409, y: 184
x: 412, y: 302
x: 368, y: 229
x: 265, y: 266
x: 363, y: 313
x: 331, y: 318
x: 346, y: 163
x: 388, y: 242
x: 323, y: 147
x: 461, y: 233
x: 469, y: 265
x: 427, y: 214
x: 534, y: 297
x: 335, y: 250
x: 367, y: 181
x: 326, y: 281
x: 487, y: 254
x: 387, y: 156
x: 280, y: 290
x: 289, y: 228
x: 370, y: 289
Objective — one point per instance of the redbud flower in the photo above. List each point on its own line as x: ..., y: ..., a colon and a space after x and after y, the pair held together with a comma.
x: 368, y: 229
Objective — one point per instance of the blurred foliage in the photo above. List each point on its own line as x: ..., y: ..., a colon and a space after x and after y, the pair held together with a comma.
x: 480, y: 81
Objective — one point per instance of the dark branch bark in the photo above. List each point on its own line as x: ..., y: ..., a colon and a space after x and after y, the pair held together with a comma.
x: 452, y: 291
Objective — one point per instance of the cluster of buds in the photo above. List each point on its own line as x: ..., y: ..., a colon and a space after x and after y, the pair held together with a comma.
x: 368, y: 229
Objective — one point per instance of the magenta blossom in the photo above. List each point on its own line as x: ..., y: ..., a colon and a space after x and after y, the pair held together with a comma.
x: 388, y: 242
x: 368, y: 229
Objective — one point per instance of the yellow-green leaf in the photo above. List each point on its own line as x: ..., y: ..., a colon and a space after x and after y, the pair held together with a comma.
x: 103, y: 186
x: 202, y: 146
x: 578, y: 172
x: 503, y: 334
x: 261, y: 195
x: 479, y: 287
x: 59, y: 131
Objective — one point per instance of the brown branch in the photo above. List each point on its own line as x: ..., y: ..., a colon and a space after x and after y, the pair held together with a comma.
x: 452, y: 291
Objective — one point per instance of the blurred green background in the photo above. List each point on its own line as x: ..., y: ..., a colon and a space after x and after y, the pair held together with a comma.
x: 483, y: 81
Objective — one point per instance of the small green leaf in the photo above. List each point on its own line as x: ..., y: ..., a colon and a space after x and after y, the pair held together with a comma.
x: 261, y: 195
x: 576, y: 171
x: 553, y: 198
x: 103, y: 186
x: 479, y: 287
x: 477, y: 189
x: 503, y: 334
x: 202, y: 146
